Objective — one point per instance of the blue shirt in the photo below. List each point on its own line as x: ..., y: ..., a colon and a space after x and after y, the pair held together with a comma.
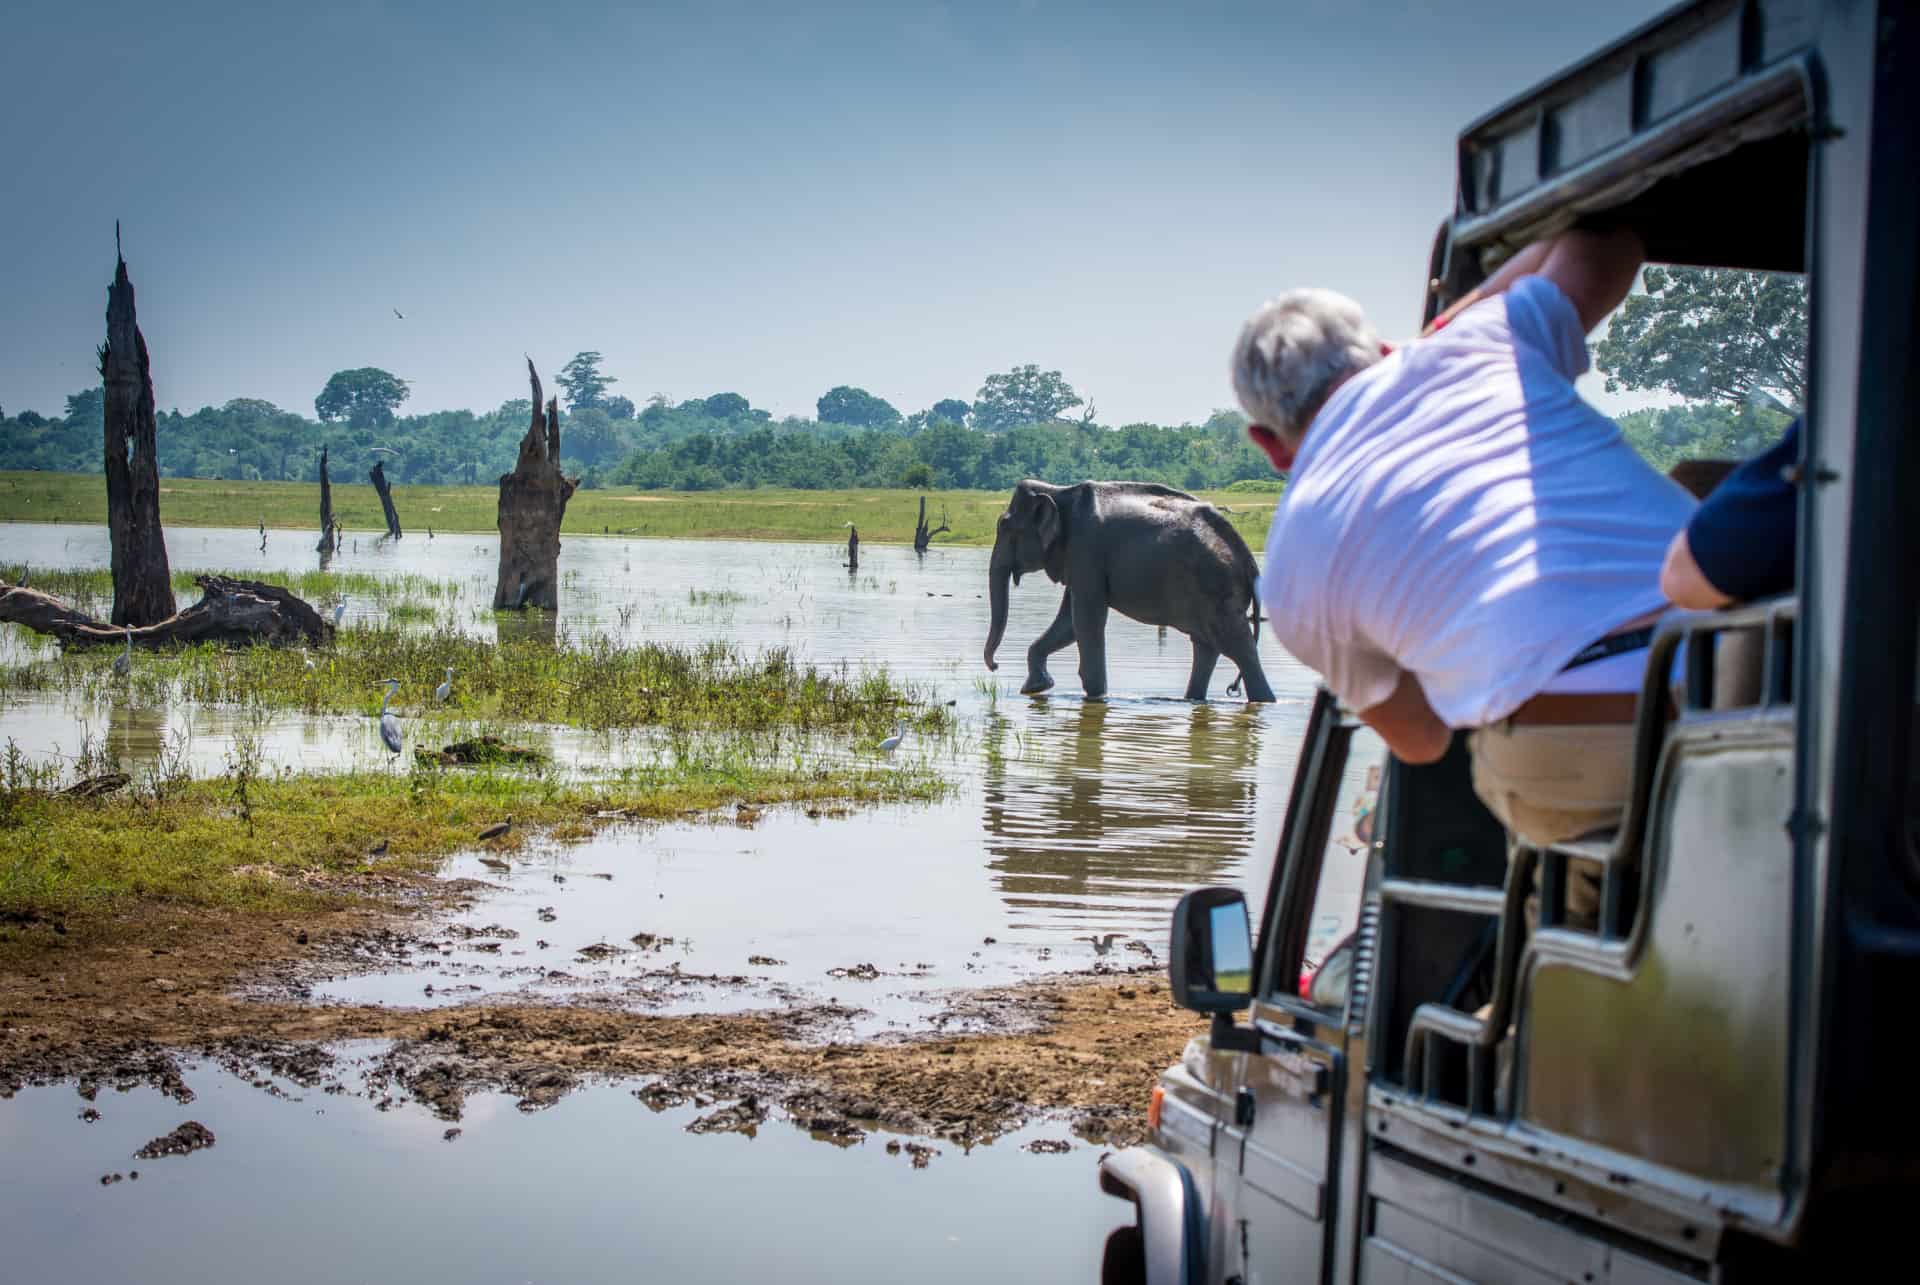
x: 1742, y: 535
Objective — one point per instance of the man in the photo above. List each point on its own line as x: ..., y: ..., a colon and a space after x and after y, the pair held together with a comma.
x: 1464, y: 543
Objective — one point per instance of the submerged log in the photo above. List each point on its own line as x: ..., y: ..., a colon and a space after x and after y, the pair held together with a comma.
x: 533, y: 500
x: 328, y: 535
x: 229, y: 611
x: 379, y: 476
x: 922, y: 536
x: 142, y: 582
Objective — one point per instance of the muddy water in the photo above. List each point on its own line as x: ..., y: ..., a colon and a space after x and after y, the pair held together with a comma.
x: 304, y: 1184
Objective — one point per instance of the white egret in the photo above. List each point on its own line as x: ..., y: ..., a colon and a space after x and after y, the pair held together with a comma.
x: 892, y: 743
x: 123, y: 663
x: 445, y: 689
x: 339, y: 610
x: 307, y: 658
x: 389, y: 721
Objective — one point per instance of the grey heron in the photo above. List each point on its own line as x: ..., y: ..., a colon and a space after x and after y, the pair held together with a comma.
x: 445, y: 689
x: 123, y: 663
x: 1103, y: 942
x: 892, y: 743
x: 389, y: 721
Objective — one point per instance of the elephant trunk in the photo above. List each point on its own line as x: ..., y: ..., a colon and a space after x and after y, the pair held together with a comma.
x: 998, y: 577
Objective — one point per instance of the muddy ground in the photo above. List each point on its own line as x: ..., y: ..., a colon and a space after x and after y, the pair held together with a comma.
x: 1085, y: 1050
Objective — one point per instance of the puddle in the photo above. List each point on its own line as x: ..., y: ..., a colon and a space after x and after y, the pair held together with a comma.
x: 303, y: 1184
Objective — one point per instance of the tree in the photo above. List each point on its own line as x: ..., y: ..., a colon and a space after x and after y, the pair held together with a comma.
x: 727, y: 406
x: 856, y: 406
x: 1710, y: 334
x: 949, y: 410
x: 89, y: 407
x: 618, y: 407
x: 584, y: 383
x: 1023, y: 395
x: 365, y: 398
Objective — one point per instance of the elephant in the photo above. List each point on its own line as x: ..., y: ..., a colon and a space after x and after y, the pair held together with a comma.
x: 1149, y: 552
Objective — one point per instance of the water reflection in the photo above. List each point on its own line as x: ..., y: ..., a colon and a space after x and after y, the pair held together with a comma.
x: 1112, y: 803
x: 306, y: 1183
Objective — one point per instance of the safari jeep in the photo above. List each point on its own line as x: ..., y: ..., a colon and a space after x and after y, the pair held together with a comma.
x: 1714, y: 1081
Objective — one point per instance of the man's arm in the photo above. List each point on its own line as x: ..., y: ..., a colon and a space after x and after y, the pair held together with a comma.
x: 1408, y: 724
x: 1595, y: 270
x: 1684, y: 583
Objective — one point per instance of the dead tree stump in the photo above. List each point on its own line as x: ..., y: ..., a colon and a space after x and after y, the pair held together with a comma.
x: 229, y: 611
x: 379, y: 476
x: 853, y: 547
x: 533, y: 500
x: 922, y: 536
x: 328, y: 536
x: 142, y: 581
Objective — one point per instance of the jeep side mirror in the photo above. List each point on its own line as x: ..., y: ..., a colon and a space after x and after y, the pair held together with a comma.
x: 1212, y: 952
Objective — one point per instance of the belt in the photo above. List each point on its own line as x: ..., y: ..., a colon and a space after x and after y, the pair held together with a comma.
x: 1572, y: 709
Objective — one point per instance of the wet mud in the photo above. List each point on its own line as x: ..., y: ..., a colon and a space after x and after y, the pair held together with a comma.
x: 1083, y: 1050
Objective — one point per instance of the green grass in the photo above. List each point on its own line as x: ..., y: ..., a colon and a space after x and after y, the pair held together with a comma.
x: 595, y: 683
x: 885, y: 517
x: 94, y: 867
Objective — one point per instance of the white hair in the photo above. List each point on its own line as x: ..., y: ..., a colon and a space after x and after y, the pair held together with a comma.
x: 1293, y: 351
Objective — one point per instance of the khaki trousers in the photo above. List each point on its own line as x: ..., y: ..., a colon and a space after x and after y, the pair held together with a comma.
x: 1548, y: 784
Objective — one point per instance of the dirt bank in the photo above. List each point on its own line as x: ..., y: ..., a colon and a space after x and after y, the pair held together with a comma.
x: 1086, y: 1049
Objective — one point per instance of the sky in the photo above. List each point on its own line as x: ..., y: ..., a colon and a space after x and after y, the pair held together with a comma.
x: 763, y: 199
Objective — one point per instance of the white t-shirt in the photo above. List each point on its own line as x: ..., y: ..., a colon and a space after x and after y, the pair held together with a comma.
x: 1457, y: 511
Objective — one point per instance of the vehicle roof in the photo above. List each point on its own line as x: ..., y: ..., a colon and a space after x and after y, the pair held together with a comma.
x: 1676, y: 125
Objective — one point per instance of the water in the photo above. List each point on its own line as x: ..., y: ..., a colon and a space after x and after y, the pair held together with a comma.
x: 315, y: 1186
x: 1069, y: 819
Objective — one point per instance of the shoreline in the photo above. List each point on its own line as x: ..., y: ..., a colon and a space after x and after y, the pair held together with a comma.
x: 883, y: 517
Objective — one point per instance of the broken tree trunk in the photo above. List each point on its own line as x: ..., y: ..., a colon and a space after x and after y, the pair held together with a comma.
x: 229, y: 611
x: 853, y: 547
x: 533, y: 500
x: 379, y: 476
x: 142, y: 581
x: 922, y: 537
x: 328, y: 536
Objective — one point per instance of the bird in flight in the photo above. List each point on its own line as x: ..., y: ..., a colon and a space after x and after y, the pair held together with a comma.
x: 400, y: 314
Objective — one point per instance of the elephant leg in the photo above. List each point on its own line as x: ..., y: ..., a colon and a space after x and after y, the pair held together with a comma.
x: 1058, y: 635
x: 1240, y: 649
x: 1204, y: 659
x: 1090, y: 631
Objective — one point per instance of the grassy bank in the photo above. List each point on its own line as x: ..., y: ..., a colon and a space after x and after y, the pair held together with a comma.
x: 883, y: 516
x: 85, y: 869
x: 594, y: 683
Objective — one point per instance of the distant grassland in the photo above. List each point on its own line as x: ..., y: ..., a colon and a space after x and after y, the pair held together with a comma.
x: 882, y: 516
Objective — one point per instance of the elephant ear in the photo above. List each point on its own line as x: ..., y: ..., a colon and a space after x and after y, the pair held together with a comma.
x: 1046, y: 520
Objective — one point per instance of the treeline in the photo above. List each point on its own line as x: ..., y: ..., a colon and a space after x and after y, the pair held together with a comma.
x: 701, y: 444
x: 722, y: 441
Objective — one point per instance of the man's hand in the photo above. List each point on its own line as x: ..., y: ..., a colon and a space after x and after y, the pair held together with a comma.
x: 1408, y: 724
